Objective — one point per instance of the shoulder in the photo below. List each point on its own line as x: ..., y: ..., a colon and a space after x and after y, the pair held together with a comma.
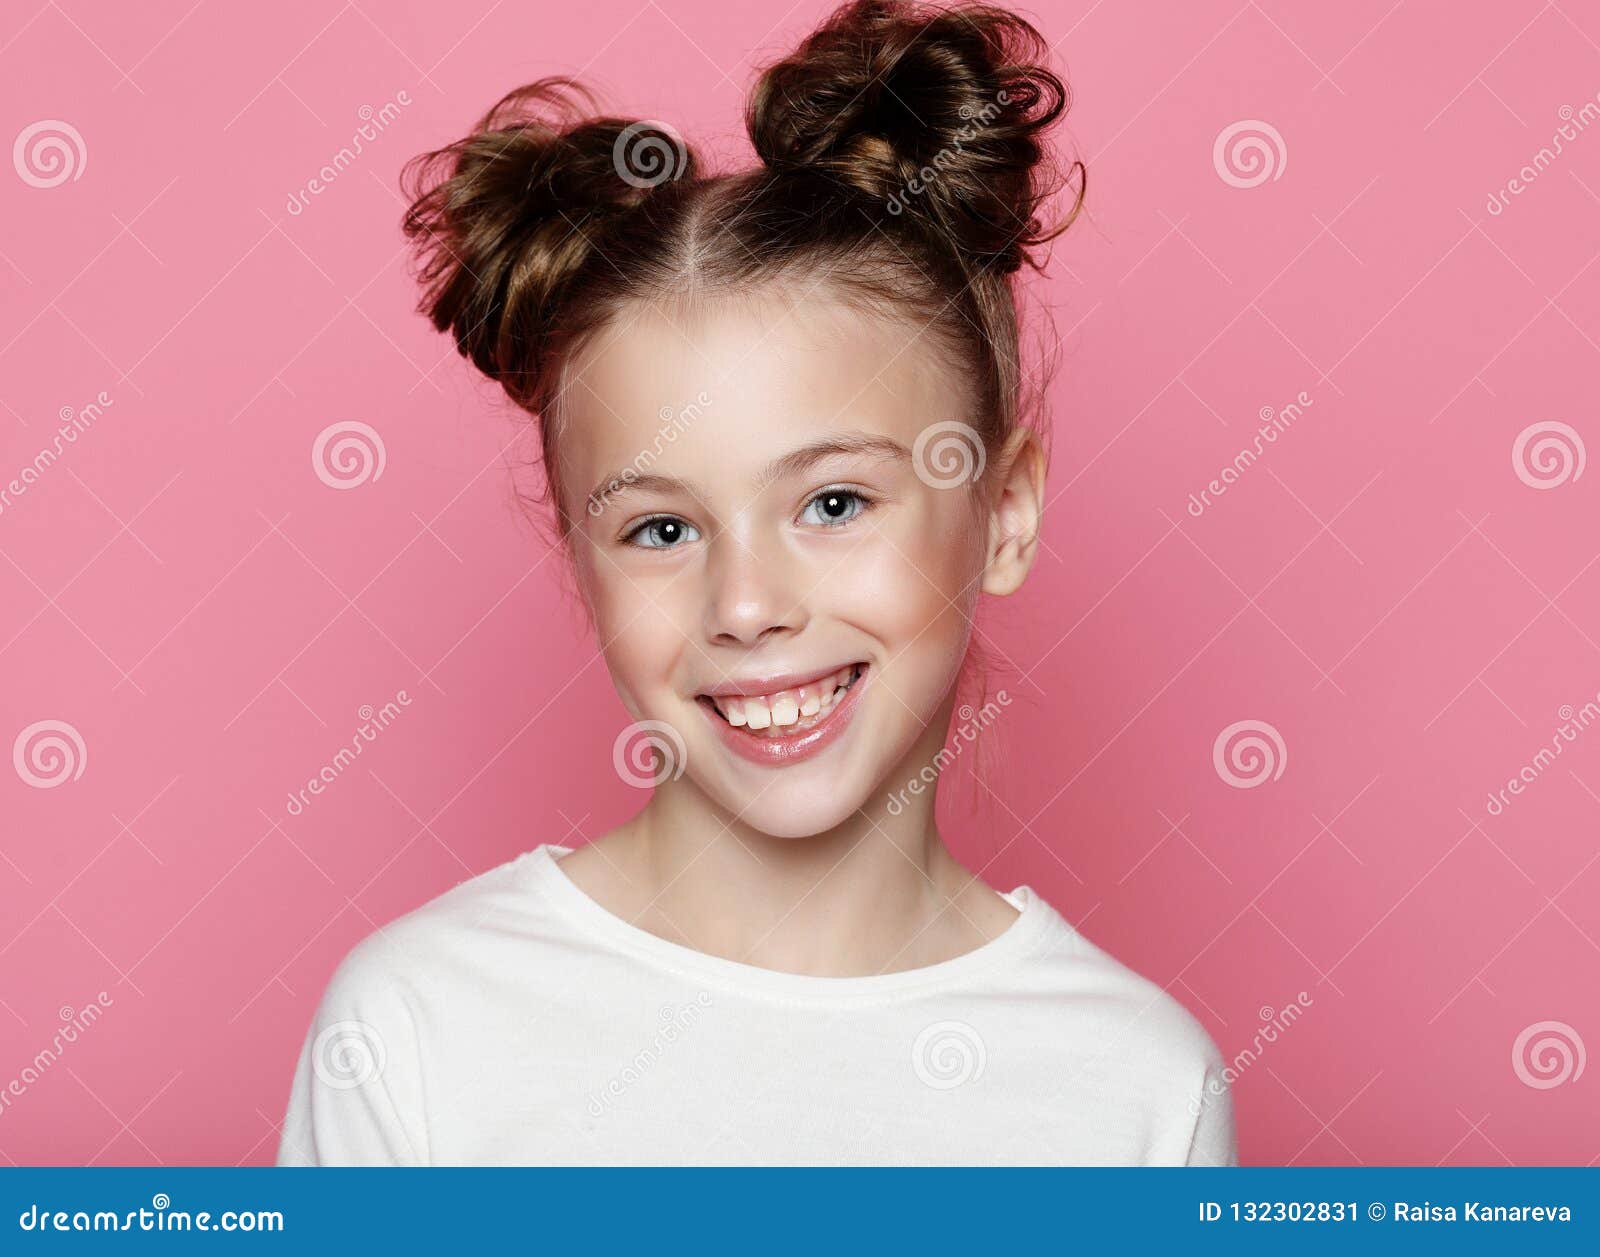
x: 1134, y: 1018
x: 359, y: 1095
x: 1128, y: 1036
x: 437, y: 946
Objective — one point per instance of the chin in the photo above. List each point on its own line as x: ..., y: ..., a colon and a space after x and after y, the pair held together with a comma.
x: 803, y: 810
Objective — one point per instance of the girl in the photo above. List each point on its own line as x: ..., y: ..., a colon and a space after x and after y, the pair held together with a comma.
x: 780, y: 413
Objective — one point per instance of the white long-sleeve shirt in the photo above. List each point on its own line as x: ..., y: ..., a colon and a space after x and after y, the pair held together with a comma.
x: 513, y: 1020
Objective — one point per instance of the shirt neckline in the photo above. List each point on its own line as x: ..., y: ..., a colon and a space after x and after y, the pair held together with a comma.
x: 1025, y: 930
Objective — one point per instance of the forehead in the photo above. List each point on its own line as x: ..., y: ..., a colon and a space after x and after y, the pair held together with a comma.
x: 738, y: 380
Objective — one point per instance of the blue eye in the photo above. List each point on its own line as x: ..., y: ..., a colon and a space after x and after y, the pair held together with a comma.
x: 664, y: 532
x: 833, y: 507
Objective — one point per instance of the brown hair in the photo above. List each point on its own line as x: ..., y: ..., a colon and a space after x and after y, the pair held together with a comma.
x: 901, y: 159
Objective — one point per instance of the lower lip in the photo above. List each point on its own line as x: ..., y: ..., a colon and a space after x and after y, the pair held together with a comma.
x: 792, y: 748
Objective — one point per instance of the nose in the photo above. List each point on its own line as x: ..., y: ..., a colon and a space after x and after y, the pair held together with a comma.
x: 753, y: 595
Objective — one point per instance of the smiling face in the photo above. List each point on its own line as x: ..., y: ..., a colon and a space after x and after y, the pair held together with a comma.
x: 768, y: 572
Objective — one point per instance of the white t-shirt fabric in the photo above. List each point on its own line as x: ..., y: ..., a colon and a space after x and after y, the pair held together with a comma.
x: 515, y: 1021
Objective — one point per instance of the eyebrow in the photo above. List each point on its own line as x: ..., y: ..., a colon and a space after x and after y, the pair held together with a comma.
x: 857, y: 444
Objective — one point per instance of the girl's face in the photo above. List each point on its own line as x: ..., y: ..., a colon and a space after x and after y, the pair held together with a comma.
x: 779, y: 572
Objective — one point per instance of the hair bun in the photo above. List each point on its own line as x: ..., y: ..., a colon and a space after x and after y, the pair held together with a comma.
x: 935, y: 113
x: 503, y: 219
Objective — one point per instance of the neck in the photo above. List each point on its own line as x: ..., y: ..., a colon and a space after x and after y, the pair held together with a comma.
x: 876, y: 893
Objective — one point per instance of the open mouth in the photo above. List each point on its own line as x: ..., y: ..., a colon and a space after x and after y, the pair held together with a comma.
x: 786, y: 713
x: 786, y: 725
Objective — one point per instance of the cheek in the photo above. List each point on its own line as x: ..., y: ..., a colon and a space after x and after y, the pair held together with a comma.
x: 936, y: 548
x: 914, y: 587
x: 638, y: 632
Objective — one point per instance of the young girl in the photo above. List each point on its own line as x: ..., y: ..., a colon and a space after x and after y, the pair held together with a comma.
x: 780, y: 419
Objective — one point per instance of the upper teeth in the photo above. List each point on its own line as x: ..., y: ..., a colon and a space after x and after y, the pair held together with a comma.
x: 785, y: 707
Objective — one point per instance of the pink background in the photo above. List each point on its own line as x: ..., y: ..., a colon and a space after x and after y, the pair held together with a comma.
x: 1383, y: 588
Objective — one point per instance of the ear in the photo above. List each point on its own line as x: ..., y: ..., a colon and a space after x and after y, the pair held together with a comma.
x: 1016, y: 502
